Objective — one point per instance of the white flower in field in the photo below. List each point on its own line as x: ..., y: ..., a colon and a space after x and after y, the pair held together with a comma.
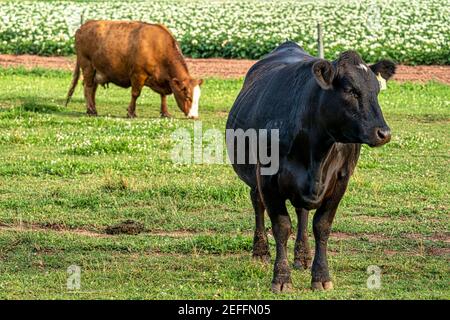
x: 204, y: 26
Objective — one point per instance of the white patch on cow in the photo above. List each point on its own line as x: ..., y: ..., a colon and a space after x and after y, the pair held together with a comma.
x: 363, y: 67
x: 193, y: 112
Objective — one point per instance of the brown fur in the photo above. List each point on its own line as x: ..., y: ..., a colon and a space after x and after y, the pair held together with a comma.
x: 131, y: 54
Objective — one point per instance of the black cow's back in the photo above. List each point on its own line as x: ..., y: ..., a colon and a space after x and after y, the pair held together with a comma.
x: 273, y: 96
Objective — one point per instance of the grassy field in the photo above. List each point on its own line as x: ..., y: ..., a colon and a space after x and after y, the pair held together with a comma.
x: 65, y: 177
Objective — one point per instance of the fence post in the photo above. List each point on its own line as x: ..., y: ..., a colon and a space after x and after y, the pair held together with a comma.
x: 320, y: 40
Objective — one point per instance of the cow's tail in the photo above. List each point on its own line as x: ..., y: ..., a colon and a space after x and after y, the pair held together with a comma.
x: 75, y: 77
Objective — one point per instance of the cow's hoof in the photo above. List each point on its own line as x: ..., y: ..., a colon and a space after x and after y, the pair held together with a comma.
x: 282, y: 287
x: 264, y: 258
x: 131, y: 115
x: 91, y: 113
x: 327, y: 285
x: 166, y: 115
x: 316, y: 286
x: 321, y: 286
x: 302, y: 264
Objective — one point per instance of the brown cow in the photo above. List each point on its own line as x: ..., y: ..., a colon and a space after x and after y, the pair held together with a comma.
x: 133, y: 54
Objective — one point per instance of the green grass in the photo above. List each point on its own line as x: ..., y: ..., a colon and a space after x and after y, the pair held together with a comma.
x: 58, y: 193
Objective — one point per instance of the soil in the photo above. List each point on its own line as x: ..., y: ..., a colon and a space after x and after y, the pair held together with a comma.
x: 126, y: 227
x: 222, y: 68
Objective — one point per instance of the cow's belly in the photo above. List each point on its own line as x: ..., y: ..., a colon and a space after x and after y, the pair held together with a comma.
x: 121, y: 80
x: 247, y: 173
x: 109, y: 71
x: 124, y: 83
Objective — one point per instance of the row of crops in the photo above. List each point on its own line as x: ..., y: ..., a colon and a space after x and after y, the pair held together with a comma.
x: 411, y: 32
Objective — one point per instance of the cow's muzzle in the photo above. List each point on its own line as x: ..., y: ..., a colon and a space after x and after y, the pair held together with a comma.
x: 381, y: 135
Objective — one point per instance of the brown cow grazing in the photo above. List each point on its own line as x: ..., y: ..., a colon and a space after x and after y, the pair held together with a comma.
x: 133, y: 54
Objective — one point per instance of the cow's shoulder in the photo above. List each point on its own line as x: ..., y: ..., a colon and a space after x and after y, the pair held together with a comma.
x: 286, y: 54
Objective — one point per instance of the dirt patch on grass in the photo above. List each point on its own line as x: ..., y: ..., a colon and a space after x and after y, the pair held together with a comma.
x: 433, y: 251
x: 342, y: 236
x: 439, y: 237
x: 444, y: 237
x: 427, y: 251
x: 222, y: 68
x: 130, y: 227
x: 390, y: 252
x: 52, y: 226
x: 371, y: 237
x: 178, y: 233
x: 24, y: 227
x: 373, y: 219
x: 423, y: 73
x: 31, y: 61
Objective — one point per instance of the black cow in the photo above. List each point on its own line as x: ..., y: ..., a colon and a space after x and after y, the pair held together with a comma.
x: 324, y: 111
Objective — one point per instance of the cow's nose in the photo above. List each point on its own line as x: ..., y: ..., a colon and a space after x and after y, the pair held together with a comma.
x: 383, y: 135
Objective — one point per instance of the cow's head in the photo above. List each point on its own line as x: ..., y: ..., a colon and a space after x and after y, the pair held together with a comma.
x: 349, y: 98
x: 187, y: 95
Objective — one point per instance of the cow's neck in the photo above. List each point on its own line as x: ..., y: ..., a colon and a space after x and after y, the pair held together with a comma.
x: 313, y: 147
x: 311, y: 150
x: 312, y: 142
x: 178, y: 69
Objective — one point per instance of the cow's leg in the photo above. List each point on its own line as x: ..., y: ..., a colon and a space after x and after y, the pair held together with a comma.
x: 90, y: 87
x: 281, y: 228
x: 164, y: 112
x: 137, y: 83
x: 302, y: 252
x: 323, y: 218
x: 260, y: 243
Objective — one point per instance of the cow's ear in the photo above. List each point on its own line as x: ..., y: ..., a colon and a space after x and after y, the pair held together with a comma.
x: 324, y: 73
x: 385, y: 68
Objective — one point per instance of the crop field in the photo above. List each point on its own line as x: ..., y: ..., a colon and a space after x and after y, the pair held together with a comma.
x: 410, y: 32
x: 66, y: 177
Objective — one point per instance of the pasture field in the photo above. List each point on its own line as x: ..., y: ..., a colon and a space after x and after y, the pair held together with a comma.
x: 65, y: 177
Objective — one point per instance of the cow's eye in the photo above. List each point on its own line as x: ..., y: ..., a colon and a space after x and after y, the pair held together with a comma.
x: 353, y: 93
